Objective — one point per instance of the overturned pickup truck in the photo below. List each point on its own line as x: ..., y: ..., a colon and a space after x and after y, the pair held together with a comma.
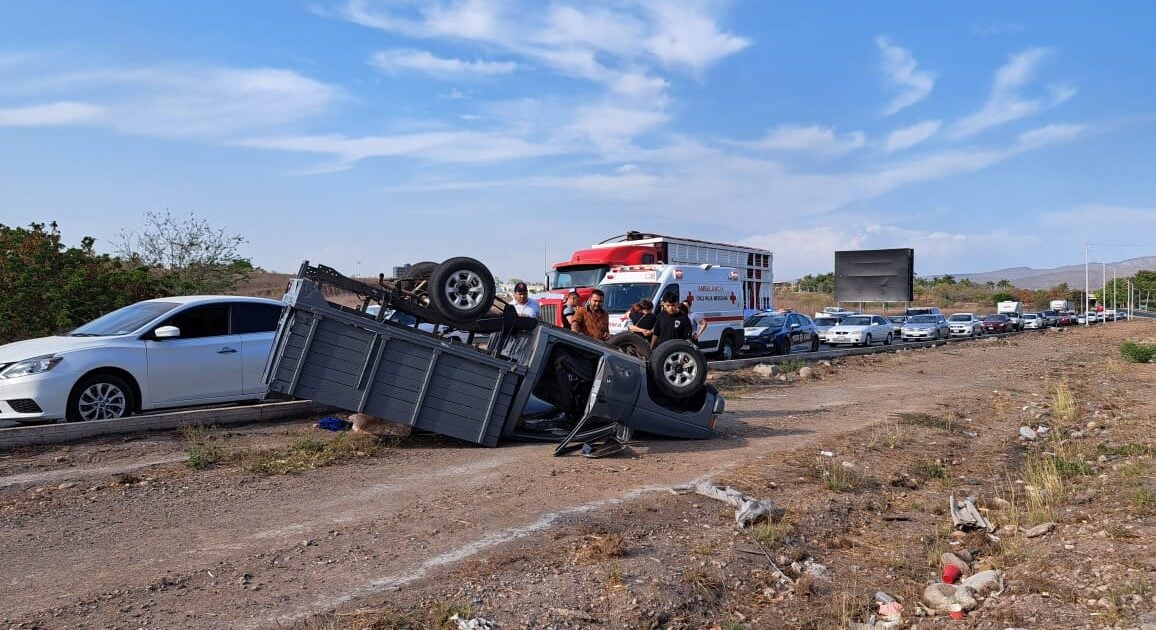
x: 514, y: 377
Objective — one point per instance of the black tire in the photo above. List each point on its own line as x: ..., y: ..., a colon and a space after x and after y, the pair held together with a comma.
x: 815, y: 343
x: 888, y: 340
x: 785, y: 346
x: 867, y: 342
x: 461, y: 289
x: 677, y: 368
x: 630, y: 343
x: 726, y: 347
x: 100, y: 397
x: 414, y: 277
x: 937, y: 334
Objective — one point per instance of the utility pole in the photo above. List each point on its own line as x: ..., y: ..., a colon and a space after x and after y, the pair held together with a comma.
x: 1087, y: 300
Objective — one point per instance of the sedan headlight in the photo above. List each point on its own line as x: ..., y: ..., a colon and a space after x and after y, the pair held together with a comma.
x: 36, y: 365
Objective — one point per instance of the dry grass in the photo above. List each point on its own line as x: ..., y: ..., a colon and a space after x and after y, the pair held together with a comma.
x: 1064, y: 403
x: 306, y: 451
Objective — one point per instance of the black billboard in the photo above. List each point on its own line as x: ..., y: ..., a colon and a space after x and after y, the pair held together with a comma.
x: 875, y: 275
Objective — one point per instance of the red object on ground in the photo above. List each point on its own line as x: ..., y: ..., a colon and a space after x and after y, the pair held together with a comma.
x: 951, y: 573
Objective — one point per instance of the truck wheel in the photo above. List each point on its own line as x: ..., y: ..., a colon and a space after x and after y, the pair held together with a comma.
x: 630, y: 343
x: 677, y: 368
x: 417, y: 276
x: 461, y: 289
x: 726, y: 347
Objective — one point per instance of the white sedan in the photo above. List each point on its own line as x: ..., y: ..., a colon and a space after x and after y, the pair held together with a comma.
x: 965, y: 325
x: 167, y: 352
x: 861, y: 330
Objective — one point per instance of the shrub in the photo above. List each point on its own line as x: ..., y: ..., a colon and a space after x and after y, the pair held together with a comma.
x: 1138, y: 352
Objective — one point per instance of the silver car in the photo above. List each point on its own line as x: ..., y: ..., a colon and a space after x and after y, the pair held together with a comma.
x: 965, y: 325
x: 925, y: 327
x: 823, y: 324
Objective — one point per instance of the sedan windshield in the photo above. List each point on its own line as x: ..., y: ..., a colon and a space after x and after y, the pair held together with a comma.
x: 826, y: 321
x: 620, y: 297
x: 959, y: 318
x: 124, y: 320
x: 995, y: 318
x: 856, y: 321
x: 765, y: 321
x: 921, y: 319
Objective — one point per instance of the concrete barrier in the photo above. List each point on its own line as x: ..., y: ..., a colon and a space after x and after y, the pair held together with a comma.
x: 217, y: 416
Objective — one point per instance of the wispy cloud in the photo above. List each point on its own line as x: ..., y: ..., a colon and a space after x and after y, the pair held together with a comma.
x: 436, y: 146
x: 812, y: 139
x: 171, y: 100
x: 685, y: 36
x: 400, y: 60
x: 49, y: 114
x: 902, y: 72
x: 910, y: 136
x: 1005, y: 104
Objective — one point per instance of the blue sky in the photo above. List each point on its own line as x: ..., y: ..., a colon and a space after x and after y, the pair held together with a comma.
x: 364, y: 134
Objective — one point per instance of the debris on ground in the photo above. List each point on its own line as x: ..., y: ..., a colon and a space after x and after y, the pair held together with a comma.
x: 965, y: 516
x: 747, y: 511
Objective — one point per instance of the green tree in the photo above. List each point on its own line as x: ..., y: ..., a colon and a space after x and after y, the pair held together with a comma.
x: 996, y: 298
x: 193, y: 256
x: 822, y: 283
x: 49, y: 288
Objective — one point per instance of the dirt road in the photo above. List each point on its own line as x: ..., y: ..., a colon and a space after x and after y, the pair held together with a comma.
x: 121, y: 533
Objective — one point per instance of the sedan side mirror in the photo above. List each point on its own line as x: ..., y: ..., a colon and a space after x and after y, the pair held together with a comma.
x: 167, y: 332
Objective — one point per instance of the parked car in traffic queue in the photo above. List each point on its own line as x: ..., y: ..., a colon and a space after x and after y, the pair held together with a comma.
x: 1034, y: 321
x: 861, y: 330
x: 779, y: 333
x: 924, y: 327
x: 897, y: 324
x: 997, y: 324
x: 965, y: 325
x: 825, y: 323
x: 167, y: 352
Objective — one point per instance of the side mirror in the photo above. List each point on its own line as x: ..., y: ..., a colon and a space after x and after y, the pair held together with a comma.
x: 794, y: 325
x: 167, y: 332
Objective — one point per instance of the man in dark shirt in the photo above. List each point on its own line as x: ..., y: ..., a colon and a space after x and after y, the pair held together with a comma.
x: 671, y: 322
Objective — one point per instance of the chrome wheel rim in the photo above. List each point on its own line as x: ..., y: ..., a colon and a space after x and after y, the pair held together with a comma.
x: 680, y: 369
x: 102, y: 401
x: 464, y: 290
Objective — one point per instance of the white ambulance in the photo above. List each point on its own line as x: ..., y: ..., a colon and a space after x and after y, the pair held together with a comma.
x: 714, y: 292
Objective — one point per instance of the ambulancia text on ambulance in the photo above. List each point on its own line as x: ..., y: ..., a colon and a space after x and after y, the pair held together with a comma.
x: 714, y: 292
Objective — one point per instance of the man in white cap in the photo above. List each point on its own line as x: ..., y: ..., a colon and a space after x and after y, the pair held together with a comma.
x: 522, y: 302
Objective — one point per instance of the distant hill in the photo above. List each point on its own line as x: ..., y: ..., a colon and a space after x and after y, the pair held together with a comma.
x: 1028, y: 278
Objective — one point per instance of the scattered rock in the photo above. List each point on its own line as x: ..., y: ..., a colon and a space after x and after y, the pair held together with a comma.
x: 767, y: 369
x: 806, y: 372
x: 1027, y: 433
x: 997, y: 503
x: 985, y: 582
x: 948, y: 558
x: 940, y: 596
x: 66, y: 485
x: 1040, y: 530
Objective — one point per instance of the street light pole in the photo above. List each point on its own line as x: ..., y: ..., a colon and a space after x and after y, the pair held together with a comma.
x: 1086, y: 288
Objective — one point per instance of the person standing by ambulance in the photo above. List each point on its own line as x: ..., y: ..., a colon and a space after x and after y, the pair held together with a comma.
x: 671, y: 322
x: 592, y: 320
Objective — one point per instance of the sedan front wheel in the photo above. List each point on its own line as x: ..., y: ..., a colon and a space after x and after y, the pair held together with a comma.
x: 100, y: 397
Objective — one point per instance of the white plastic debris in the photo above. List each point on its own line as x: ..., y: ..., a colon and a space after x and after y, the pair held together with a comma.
x: 477, y: 623
x: 748, y: 511
x: 1027, y: 433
